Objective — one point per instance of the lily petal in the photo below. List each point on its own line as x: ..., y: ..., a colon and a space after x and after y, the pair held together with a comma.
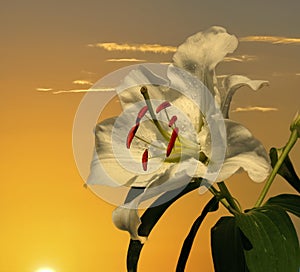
x: 126, y: 217
x: 247, y: 151
x: 129, y: 90
x: 232, y: 84
x: 106, y: 170
x: 243, y: 152
x: 196, y: 100
x: 200, y: 54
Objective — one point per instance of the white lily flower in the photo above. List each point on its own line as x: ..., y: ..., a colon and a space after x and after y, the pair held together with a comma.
x: 164, y: 137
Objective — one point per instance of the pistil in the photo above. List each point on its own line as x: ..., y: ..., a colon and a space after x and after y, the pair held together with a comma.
x: 144, y: 92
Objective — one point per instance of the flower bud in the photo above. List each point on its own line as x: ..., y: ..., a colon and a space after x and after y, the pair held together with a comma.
x: 296, y: 124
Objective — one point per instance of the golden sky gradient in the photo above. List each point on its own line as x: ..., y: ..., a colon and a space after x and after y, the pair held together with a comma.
x: 48, y: 217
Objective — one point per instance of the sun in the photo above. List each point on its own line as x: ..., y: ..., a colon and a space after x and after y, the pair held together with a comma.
x: 45, y: 269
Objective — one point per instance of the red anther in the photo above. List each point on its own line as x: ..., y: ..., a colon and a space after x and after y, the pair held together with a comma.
x: 172, y: 141
x: 141, y: 113
x: 145, y: 159
x: 162, y: 106
x: 173, y: 120
x: 131, y: 134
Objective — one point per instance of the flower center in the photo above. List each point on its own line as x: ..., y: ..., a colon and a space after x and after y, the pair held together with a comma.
x: 175, y: 143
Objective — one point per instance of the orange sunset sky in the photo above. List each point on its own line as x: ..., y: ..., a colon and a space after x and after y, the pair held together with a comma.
x: 48, y: 219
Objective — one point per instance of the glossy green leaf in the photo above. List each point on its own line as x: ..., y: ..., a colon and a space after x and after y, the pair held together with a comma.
x: 227, y: 243
x: 273, y: 237
x: 286, y: 170
x: 288, y: 202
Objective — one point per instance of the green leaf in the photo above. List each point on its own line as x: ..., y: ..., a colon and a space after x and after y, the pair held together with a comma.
x: 286, y: 170
x: 211, y: 206
x: 288, y: 202
x: 228, y: 247
x: 273, y: 237
x: 150, y: 218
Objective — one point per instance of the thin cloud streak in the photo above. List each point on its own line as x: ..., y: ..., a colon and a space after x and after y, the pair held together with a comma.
x: 125, y: 60
x: 152, y: 48
x: 85, y: 90
x: 270, y: 39
x: 82, y: 82
x: 255, y: 108
x: 240, y: 58
x: 88, y: 72
x: 44, y: 89
x: 287, y: 74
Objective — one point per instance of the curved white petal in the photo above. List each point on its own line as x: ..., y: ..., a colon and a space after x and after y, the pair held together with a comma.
x: 232, y: 84
x: 200, y: 54
x: 105, y: 170
x: 126, y: 217
x: 129, y: 89
x: 196, y: 100
x: 255, y: 165
x: 243, y: 152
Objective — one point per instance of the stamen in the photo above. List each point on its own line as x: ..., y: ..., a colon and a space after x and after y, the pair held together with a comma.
x: 131, y: 135
x: 149, y: 143
x: 141, y: 114
x: 172, y: 141
x: 173, y: 120
x: 162, y: 106
x: 145, y: 159
x: 167, y: 115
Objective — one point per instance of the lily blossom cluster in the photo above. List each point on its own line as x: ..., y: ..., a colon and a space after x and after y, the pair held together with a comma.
x: 175, y: 128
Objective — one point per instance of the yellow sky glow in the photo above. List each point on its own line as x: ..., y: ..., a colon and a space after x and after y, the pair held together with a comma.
x: 45, y: 269
x: 48, y: 219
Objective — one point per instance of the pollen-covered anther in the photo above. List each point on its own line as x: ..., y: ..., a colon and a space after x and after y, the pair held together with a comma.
x: 172, y: 141
x: 131, y: 134
x: 163, y: 106
x: 141, y: 113
x: 172, y: 120
x: 145, y: 160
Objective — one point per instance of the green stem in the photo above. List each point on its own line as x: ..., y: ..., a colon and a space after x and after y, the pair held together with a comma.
x: 222, y: 199
x: 225, y: 192
x: 292, y: 140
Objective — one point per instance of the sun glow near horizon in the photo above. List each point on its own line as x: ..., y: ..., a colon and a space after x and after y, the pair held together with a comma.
x: 45, y: 269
